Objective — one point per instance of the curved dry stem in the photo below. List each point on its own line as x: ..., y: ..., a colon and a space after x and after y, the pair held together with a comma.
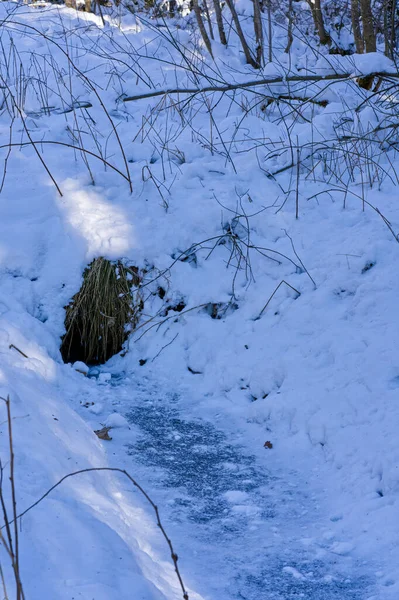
x: 155, y: 508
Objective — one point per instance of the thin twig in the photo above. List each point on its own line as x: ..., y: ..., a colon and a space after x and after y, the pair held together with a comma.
x: 3, y: 583
x: 142, y: 491
x: 298, y: 257
x: 163, y: 347
x: 277, y: 288
x: 90, y: 84
x: 298, y: 160
x: 18, y: 350
x: 13, y: 538
x: 21, y: 114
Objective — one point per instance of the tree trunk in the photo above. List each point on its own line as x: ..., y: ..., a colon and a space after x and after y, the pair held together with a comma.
x: 357, y: 33
x: 290, y: 37
x: 208, y: 17
x: 219, y: 21
x: 318, y: 19
x: 369, y: 39
x: 201, y: 26
x: 269, y: 30
x: 258, y: 28
x: 247, y: 53
x: 369, y: 36
x: 389, y: 27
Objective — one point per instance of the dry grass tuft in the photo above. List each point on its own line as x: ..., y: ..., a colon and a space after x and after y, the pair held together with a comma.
x: 99, y: 316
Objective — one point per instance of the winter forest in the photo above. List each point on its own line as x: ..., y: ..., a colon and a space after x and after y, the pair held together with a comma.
x: 199, y: 291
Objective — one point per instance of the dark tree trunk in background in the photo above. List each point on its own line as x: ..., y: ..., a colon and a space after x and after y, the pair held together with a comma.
x: 248, y: 56
x: 269, y: 30
x: 318, y: 19
x: 357, y: 32
x: 201, y: 27
x: 290, y: 37
x: 172, y: 8
x: 390, y: 27
x: 208, y: 16
x: 258, y: 28
x: 369, y: 36
x: 219, y: 21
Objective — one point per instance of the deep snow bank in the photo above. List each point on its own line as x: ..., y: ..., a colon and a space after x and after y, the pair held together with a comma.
x: 93, y: 537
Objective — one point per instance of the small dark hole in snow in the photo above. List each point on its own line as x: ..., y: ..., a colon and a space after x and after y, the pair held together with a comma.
x: 179, y: 307
x: 219, y: 310
x: 186, y: 256
x: 142, y: 361
x: 380, y: 493
x: 41, y: 314
x: 161, y: 293
x: 173, y: 307
x: 369, y: 265
x: 194, y: 372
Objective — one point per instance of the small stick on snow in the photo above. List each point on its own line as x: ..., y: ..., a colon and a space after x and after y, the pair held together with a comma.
x: 268, y: 302
x: 18, y: 350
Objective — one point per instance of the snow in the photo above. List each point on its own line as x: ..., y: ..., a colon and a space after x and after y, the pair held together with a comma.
x: 292, y: 571
x: 81, y: 367
x: 373, y: 62
x: 96, y: 408
x: 196, y: 393
x: 358, y: 64
x: 116, y: 420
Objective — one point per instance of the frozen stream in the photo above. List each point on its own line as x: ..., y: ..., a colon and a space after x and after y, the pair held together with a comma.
x: 242, y: 532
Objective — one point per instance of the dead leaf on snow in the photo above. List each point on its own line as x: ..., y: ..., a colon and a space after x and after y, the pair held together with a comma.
x: 103, y: 433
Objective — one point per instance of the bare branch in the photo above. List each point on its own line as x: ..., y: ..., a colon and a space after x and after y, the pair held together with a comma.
x: 258, y: 82
x: 141, y: 490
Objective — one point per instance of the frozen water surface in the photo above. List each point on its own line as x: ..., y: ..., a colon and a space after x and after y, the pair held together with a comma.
x: 244, y: 524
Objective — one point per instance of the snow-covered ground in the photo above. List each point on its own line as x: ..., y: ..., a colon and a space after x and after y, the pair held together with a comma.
x: 312, y: 368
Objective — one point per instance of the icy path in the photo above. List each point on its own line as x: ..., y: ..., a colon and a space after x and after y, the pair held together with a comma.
x: 241, y: 531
